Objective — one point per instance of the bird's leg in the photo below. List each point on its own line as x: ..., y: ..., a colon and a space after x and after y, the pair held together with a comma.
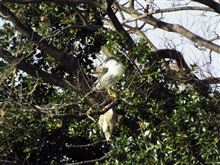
x: 112, y: 93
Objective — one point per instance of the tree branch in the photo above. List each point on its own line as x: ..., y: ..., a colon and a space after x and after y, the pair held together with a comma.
x: 131, y: 4
x: 211, y: 80
x: 67, y: 60
x: 119, y: 28
x: 90, y: 161
x: 172, y: 28
x: 133, y: 30
x: 202, y: 85
x: 171, y: 54
x: 181, y: 8
x: 48, y: 111
x: 143, y: 35
x: 88, y: 145
x: 7, y: 161
x: 36, y: 72
x: 210, y: 3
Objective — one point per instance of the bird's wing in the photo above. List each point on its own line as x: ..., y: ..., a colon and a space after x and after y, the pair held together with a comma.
x: 100, y: 123
x: 102, y: 70
x: 105, y: 81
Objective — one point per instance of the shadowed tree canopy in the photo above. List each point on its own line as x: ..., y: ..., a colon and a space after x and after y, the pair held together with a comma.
x: 49, y: 51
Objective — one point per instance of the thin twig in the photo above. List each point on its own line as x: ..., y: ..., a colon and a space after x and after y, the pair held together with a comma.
x: 171, y: 28
x: 86, y: 145
x: 90, y: 161
x: 8, y: 161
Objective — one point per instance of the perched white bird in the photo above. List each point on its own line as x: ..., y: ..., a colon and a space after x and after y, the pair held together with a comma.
x: 109, y: 74
x: 106, y: 123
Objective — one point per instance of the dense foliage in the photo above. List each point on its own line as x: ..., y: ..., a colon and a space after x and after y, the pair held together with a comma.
x: 43, y: 123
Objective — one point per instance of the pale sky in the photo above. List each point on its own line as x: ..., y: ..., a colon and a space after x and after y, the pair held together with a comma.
x: 204, y: 26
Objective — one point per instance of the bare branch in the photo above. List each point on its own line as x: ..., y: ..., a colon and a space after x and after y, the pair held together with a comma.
x: 215, y: 38
x: 90, y: 161
x: 141, y: 34
x: 7, y: 161
x: 137, y: 31
x: 131, y: 4
x: 119, y: 28
x: 211, y: 80
x: 210, y: 3
x: 87, y: 145
x: 106, y: 108
x: 201, y: 85
x: 172, y: 28
x: 48, y: 111
x: 174, y: 9
x: 171, y: 54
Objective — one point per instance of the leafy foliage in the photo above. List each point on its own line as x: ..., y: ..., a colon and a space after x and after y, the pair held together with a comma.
x: 41, y: 124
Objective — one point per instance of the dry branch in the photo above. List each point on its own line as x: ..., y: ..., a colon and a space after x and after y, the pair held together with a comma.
x: 118, y: 26
x: 210, y: 3
x: 171, y: 28
x: 182, y: 8
x: 90, y: 161
x: 202, y: 85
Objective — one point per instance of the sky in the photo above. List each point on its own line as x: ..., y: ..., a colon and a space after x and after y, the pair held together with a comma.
x: 205, y: 26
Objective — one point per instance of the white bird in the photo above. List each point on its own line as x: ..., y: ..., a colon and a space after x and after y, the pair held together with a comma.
x: 106, y: 123
x: 109, y: 74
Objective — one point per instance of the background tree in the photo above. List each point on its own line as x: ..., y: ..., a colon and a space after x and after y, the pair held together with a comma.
x: 49, y: 52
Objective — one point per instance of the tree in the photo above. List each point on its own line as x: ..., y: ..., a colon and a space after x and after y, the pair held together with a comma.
x: 48, y: 51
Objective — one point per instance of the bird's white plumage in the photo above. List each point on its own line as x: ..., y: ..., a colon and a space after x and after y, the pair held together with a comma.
x: 106, y: 123
x: 109, y: 73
